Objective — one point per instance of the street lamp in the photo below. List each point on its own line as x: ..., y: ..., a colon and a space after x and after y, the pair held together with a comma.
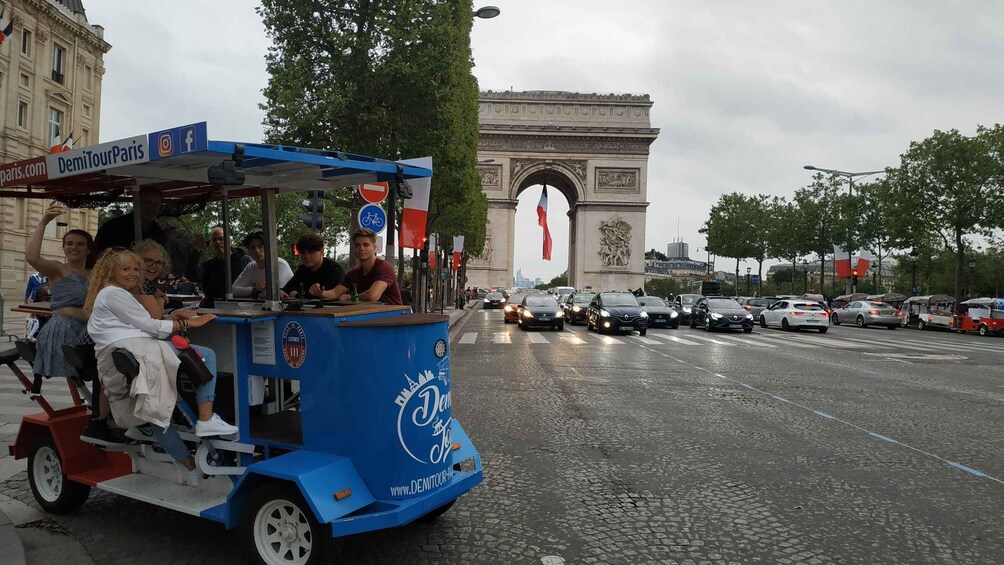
x: 487, y: 12
x: 748, y: 269
x: 913, y: 259
x: 805, y: 276
x: 972, y: 267
x: 849, y: 176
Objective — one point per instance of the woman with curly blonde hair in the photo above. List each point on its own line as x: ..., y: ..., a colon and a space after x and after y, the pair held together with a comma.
x: 119, y: 321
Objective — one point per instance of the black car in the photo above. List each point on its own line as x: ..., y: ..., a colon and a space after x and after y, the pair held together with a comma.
x: 720, y: 313
x: 684, y: 303
x: 494, y: 300
x: 576, y: 306
x: 659, y: 313
x: 616, y: 312
x: 541, y: 310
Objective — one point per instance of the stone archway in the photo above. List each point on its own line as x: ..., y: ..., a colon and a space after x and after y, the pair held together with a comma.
x: 594, y: 150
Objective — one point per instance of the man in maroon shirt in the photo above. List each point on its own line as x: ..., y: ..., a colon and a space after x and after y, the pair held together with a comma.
x: 373, y: 278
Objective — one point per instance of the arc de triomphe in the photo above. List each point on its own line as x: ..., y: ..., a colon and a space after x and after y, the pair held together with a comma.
x: 593, y: 148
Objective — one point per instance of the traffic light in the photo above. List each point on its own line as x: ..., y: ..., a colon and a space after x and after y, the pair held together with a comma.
x: 314, y: 218
x: 854, y: 273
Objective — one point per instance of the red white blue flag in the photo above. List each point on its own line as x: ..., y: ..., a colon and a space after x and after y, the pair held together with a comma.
x: 542, y: 222
x: 7, y: 29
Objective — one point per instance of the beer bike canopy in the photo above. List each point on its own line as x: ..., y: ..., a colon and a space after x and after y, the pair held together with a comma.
x: 186, y: 166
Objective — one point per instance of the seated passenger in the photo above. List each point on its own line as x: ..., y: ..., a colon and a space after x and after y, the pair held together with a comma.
x: 154, y: 263
x: 251, y: 281
x: 373, y: 278
x: 118, y: 320
x: 316, y: 272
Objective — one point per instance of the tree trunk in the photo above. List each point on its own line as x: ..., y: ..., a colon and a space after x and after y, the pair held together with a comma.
x: 960, y: 253
x: 879, y: 256
x: 737, y: 277
x: 822, y: 274
x: 759, y: 276
x: 791, y: 286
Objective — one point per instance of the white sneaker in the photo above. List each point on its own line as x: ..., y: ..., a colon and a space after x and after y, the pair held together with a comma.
x: 191, y: 478
x: 214, y: 426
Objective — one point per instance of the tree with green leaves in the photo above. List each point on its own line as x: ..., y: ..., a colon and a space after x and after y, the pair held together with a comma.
x: 817, y: 204
x: 662, y: 287
x: 389, y: 79
x: 952, y: 185
x: 655, y: 255
x: 789, y: 233
x: 730, y: 228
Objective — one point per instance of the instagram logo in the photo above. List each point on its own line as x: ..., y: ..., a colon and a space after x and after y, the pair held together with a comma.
x: 165, y: 144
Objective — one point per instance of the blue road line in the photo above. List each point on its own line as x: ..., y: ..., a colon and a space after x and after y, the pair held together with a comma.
x: 969, y: 470
x: 882, y: 437
x: 824, y: 414
x: 780, y: 398
x: 747, y: 386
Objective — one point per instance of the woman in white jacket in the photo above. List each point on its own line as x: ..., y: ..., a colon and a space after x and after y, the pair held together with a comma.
x: 117, y: 320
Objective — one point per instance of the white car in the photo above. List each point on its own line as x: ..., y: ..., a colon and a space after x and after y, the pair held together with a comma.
x: 795, y: 314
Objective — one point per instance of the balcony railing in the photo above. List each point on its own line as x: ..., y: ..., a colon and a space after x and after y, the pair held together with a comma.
x: 57, y: 76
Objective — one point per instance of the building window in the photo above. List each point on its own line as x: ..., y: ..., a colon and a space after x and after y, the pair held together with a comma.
x: 88, y: 77
x: 58, y: 57
x: 22, y: 114
x: 86, y: 110
x: 25, y: 81
x: 55, y: 122
x: 26, y: 39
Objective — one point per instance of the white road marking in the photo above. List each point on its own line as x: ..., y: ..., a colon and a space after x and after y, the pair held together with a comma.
x: 647, y: 340
x: 676, y: 339
x: 608, y: 340
x: 536, y: 338
x: 711, y: 339
x: 502, y: 337
x: 782, y: 338
x: 571, y: 338
x: 746, y: 340
x: 469, y: 337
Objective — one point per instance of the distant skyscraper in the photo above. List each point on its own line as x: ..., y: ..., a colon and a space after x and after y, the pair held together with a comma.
x: 678, y: 250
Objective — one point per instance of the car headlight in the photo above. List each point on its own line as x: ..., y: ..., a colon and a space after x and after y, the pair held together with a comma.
x: 508, y: 308
x: 576, y: 309
x: 604, y: 313
x: 527, y: 313
x: 486, y: 301
x: 644, y: 314
x: 686, y: 309
x: 560, y: 314
x: 673, y: 314
x: 716, y: 316
x: 749, y: 316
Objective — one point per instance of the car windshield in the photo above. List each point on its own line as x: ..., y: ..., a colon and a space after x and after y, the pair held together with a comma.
x: 880, y: 306
x: 757, y: 302
x: 494, y: 296
x: 651, y: 301
x: 540, y: 301
x: 688, y: 299
x: 517, y: 298
x: 582, y: 298
x: 809, y: 306
x: 723, y: 303
x: 619, y: 300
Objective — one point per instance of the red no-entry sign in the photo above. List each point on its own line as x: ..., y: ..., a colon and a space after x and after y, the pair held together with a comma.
x: 374, y: 192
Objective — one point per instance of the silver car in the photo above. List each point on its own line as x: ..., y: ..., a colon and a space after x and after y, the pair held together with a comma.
x: 755, y: 305
x: 863, y: 313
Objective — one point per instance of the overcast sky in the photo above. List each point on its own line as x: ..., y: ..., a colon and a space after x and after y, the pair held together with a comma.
x: 745, y: 93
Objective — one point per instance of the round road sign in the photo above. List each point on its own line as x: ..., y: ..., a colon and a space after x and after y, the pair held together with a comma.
x: 373, y: 217
x: 374, y: 192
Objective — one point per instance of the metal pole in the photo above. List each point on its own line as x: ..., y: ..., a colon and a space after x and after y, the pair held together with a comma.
x: 137, y: 223
x: 225, y: 205
x: 391, y: 218
x: 913, y: 287
x: 271, y: 251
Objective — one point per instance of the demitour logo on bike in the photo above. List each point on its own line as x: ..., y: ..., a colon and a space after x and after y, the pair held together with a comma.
x: 372, y: 216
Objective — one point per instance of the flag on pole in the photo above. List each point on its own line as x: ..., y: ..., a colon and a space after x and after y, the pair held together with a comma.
x: 542, y: 222
x: 415, y: 215
x: 458, y: 249
x: 864, y: 261
x: 7, y: 29
x: 841, y: 262
x: 60, y: 146
x: 432, y: 251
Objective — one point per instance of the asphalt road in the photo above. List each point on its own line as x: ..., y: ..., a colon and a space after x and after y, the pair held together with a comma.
x: 858, y: 446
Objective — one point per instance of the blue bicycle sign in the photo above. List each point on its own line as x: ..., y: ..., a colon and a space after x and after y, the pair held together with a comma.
x: 372, y: 216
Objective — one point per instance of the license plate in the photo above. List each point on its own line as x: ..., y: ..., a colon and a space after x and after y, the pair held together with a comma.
x: 627, y: 327
x: 735, y: 325
x: 545, y: 318
x: 815, y: 321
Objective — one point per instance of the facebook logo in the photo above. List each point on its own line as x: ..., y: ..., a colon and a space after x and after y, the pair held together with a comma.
x: 187, y: 140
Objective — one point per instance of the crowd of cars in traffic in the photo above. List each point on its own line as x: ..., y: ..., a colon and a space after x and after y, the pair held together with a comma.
x: 622, y: 311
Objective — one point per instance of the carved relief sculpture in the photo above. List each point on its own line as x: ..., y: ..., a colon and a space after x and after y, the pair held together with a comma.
x: 490, y: 176
x: 617, y: 179
x: 485, y: 258
x: 615, y: 243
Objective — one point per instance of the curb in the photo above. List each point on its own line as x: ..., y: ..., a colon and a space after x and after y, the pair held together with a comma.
x: 457, y: 316
x: 10, y: 541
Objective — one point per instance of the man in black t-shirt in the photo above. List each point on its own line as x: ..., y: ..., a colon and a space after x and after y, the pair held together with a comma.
x: 214, y: 274
x: 314, y: 268
x: 120, y: 231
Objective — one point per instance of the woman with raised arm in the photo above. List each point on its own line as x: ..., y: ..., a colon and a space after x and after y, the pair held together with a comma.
x: 118, y: 321
x: 67, y: 289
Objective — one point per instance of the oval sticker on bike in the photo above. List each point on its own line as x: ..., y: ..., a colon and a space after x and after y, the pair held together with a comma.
x: 372, y: 216
x: 294, y: 345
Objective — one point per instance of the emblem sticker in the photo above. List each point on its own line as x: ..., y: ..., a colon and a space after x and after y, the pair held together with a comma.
x: 294, y: 345
x: 440, y: 348
x: 424, y: 420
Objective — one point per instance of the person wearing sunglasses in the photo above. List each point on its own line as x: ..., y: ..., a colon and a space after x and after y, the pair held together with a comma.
x: 154, y: 265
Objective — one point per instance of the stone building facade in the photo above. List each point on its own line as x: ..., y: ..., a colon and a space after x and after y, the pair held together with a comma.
x: 51, y: 68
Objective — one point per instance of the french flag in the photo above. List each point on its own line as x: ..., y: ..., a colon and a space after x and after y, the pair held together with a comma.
x: 432, y: 251
x: 841, y: 262
x: 864, y: 261
x: 60, y: 146
x: 458, y: 249
x: 415, y: 215
x: 8, y: 29
x: 542, y: 222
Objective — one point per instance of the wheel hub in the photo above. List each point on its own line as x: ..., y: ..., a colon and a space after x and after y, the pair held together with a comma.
x: 288, y: 532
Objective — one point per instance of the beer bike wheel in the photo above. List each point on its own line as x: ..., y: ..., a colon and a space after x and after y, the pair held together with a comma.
x: 280, y: 529
x: 55, y: 493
